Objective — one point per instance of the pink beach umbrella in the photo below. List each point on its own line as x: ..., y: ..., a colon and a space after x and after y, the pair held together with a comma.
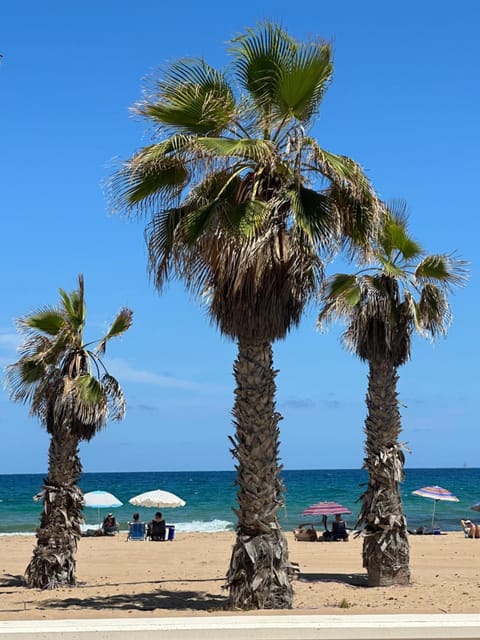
x: 436, y: 493
x: 325, y: 509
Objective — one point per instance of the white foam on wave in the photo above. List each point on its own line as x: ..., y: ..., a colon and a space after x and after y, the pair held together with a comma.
x: 195, y: 526
x: 206, y: 526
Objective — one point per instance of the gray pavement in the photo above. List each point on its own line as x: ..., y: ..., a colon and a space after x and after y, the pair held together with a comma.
x: 251, y: 627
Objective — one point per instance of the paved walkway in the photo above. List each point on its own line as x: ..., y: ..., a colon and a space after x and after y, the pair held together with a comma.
x: 247, y: 627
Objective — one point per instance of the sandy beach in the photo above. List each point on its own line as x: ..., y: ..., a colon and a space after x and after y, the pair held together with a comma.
x: 185, y: 577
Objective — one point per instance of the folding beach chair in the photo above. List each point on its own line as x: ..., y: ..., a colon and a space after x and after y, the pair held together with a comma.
x: 136, y: 531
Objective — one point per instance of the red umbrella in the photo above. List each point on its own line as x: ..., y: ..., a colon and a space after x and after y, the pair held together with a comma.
x: 325, y: 509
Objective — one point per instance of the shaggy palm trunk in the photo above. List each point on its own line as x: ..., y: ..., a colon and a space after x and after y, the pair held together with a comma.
x: 385, y: 546
x: 259, y: 576
x: 53, y: 562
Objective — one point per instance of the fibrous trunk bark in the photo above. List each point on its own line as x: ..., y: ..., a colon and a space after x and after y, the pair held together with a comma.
x: 385, y: 546
x: 259, y: 576
x: 53, y: 562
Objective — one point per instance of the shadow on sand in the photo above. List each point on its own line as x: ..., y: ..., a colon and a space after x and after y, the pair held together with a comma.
x: 352, y: 579
x: 9, y: 580
x: 148, y: 601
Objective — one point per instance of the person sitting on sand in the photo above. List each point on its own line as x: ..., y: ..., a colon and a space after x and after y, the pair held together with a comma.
x: 471, y: 529
x: 156, y: 528
x: 110, y: 525
x: 339, y: 529
x: 136, y: 517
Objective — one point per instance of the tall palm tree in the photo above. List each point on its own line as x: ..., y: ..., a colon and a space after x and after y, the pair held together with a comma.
x: 244, y: 201
x: 69, y: 389
x: 400, y: 291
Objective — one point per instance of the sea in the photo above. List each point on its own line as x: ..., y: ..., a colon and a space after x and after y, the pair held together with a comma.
x: 210, y: 497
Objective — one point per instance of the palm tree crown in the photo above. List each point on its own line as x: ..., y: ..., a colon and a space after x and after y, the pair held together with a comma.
x: 61, y: 377
x: 235, y: 165
x: 402, y: 289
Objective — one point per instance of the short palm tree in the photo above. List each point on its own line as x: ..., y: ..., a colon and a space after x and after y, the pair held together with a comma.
x: 400, y: 291
x: 71, y: 392
x: 243, y: 202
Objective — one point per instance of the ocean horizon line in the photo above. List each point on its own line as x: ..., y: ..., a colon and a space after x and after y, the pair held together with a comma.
x: 166, y: 471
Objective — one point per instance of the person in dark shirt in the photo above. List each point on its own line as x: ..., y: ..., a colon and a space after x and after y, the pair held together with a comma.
x: 157, y: 528
x: 110, y: 525
x: 339, y: 528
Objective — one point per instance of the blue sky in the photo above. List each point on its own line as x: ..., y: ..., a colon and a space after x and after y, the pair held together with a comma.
x: 404, y: 103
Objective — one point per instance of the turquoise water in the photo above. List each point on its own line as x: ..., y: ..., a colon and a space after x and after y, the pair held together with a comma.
x: 210, y: 496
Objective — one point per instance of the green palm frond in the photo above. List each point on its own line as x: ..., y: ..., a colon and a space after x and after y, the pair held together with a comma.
x: 394, y: 238
x: 196, y: 222
x: 303, y: 82
x: 247, y: 218
x: 260, y: 55
x: 78, y: 314
x: 339, y: 294
x: 22, y: 377
x: 346, y: 286
x: 248, y: 148
x: 160, y: 235
x: 49, y: 321
x: 192, y: 98
x: 338, y: 169
x: 285, y: 79
x: 91, y: 394
x: 443, y: 268
x: 315, y: 215
x: 143, y: 181
x: 389, y: 267
x: 122, y: 322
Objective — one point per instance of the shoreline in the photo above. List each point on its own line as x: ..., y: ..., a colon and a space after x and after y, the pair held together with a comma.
x: 185, y: 577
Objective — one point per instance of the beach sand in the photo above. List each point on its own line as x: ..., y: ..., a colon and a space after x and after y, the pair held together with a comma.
x: 185, y: 577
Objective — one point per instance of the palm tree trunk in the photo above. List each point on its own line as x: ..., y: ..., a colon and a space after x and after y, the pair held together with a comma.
x: 259, y: 576
x: 53, y: 563
x: 385, y: 546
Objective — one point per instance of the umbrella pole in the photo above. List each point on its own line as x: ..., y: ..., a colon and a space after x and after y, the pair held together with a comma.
x: 433, y: 514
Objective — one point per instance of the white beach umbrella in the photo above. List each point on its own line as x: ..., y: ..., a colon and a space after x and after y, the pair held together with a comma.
x: 157, y: 498
x: 100, y: 500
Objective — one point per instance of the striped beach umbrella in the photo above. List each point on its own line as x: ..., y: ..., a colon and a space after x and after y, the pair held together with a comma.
x: 329, y: 508
x: 435, y: 493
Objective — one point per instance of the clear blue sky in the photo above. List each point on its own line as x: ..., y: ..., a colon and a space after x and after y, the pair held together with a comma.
x: 404, y: 103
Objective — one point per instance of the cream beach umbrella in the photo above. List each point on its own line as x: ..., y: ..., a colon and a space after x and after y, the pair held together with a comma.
x: 100, y: 500
x: 157, y: 498
x: 435, y: 493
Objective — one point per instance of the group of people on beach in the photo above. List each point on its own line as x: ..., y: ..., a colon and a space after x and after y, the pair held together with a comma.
x: 337, y: 532
x: 156, y: 528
